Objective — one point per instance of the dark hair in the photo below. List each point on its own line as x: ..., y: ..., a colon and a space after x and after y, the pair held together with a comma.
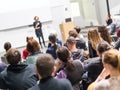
x: 45, y: 65
x: 52, y: 39
x: 7, y: 46
x: 104, y: 34
x: 13, y: 56
x: 33, y: 46
x: 103, y: 46
x: 78, y: 29
x: 64, y: 55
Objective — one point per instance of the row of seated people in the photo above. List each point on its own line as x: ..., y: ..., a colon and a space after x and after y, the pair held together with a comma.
x: 66, y: 63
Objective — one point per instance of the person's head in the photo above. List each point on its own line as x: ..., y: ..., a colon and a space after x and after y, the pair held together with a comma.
x: 78, y: 29
x: 71, y: 42
x: 73, y: 33
x: 33, y: 46
x: 111, y: 60
x: 94, y: 37
x: 118, y: 32
x: 36, y: 18
x: 13, y: 56
x: 102, y: 47
x: 52, y: 38
x: 7, y: 46
x: 45, y: 65
x: 104, y: 34
x: 64, y: 55
x: 29, y: 38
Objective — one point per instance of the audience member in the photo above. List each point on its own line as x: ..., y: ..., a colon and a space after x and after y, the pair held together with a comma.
x: 111, y: 62
x: 7, y: 46
x: 33, y: 48
x: 25, y: 52
x: 45, y: 68
x: 94, y: 68
x: 52, y: 49
x: 94, y: 39
x: 117, y: 44
x: 114, y: 26
x: 76, y: 53
x: 105, y: 34
x: 80, y: 42
x: 17, y: 76
x: 78, y: 30
x: 57, y: 41
x: 71, y: 69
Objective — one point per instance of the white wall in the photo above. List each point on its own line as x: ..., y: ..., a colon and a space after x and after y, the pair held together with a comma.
x: 58, y: 12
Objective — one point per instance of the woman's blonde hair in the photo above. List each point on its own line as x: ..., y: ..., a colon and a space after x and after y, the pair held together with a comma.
x: 94, y: 37
x: 112, y: 57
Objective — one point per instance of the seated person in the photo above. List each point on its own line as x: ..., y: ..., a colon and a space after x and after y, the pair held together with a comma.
x: 76, y: 53
x: 33, y: 48
x: 57, y: 41
x: 7, y: 46
x: 117, y: 43
x: 45, y: 68
x: 71, y: 69
x: 25, y: 52
x: 17, y: 76
x: 94, y: 68
x: 111, y: 62
x: 53, y: 47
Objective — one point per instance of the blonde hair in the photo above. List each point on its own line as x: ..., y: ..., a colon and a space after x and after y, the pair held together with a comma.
x: 94, y: 38
x: 112, y: 57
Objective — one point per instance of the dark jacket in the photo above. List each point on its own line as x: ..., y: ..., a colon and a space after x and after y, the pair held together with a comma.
x: 94, y: 68
x: 38, y: 32
x: 81, y: 44
x: 92, y: 52
x: 51, y: 83
x: 18, y: 77
x: 51, y: 50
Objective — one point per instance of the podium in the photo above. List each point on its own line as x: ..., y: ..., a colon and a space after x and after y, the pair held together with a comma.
x: 65, y: 28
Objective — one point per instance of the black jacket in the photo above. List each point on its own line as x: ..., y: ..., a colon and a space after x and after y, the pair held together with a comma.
x: 18, y: 77
x: 51, y: 83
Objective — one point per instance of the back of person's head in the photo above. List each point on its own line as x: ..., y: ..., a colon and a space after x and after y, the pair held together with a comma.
x: 71, y: 40
x: 65, y: 56
x: 52, y: 38
x: 104, y: 34
x: 112, y: 57
x: 45, y: 65
x: 73, y: 33
x: 94, y: 37
x: 78, y: 29
x: 33, y: 46
x: 29, y: 38
x: 118, y: 32
x: 13, y: 56
x: 7, y: 46
x: 103, y: 46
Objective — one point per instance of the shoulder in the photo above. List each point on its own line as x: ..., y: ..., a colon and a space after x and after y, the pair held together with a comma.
x: 102, y: 85
x: 64, y: 84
